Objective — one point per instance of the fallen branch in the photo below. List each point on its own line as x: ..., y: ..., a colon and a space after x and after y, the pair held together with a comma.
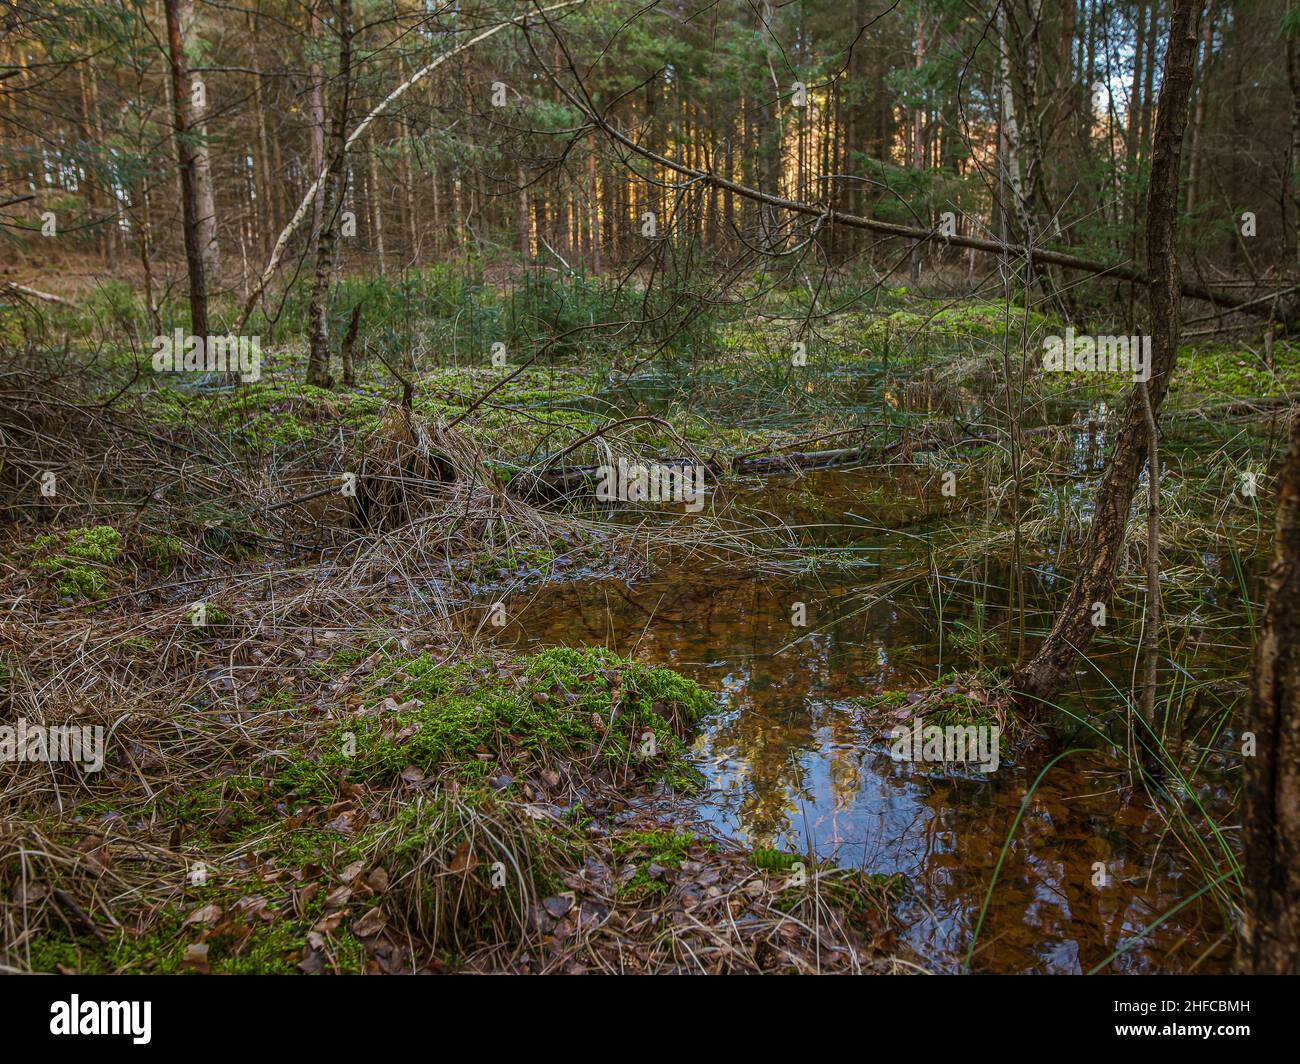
x: 32, y: 293
x: 1268, y: 306
x: 568, y: 478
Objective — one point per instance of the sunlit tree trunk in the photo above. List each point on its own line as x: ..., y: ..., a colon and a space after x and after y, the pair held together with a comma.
x: 376, y: 208
x: 1010, y: 135
x: 206, y: 203
x: 185, y: 159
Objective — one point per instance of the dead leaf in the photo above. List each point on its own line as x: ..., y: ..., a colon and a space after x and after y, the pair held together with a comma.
x: 371, y: 924
x: 462, y: 860
x: 558, y: 905
x: 338, y: 897
x: 207, y: 915
x: 342, y: 823
x: 196, y: 957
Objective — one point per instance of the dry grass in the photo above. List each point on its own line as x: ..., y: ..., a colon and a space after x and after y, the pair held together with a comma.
x: 101, y: 871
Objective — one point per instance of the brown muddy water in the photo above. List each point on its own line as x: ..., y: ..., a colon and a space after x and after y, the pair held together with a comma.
x: 792, y: 762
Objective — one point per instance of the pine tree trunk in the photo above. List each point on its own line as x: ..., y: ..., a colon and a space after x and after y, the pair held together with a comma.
x: 206, y: 196
x: 318, y: 359
x: 316, y: 105
x: 180, y: 83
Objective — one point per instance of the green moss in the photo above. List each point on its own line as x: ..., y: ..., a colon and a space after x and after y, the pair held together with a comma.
x: 1227, y: 372
x: 971, y: 319
x: 81, y: 562
x: 952, y: 708
x: 937, y: 705
x: 54, y: 951
x: 215, y: 621
x: 772, y: 860
x: 568, y: 703
x: 162, y: 553
x: 242, y: 947
x: 666, y: 848
x: 576, y: 706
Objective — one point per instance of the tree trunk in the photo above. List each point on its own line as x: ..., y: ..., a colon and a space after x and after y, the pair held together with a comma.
x: 1293, y: 169
x: 1044, y: 676
x: 1270, y: 931
x: 266, y: 216
x: 1133, y: 116
x: 918, y: 161
x: 316, y: 105
x: 376, y: 208
x: 1011, y: 139
x: 1198, y: 116
x: 206, y: 197
x: 90, y: 178
x: 318, y: 359
x: 522, y: 222
x: 185, y: 159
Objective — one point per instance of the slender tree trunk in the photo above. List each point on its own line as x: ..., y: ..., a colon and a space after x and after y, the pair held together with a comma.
x: 316, y: 105
x: 1011, y: 137
x: 376, y: 208
x: 1036, y: 209
x: 1044, y: 676
x: 185, y: 159
x: 1149, y: 72
x: 318, y: 359
x: 771, y: 133
x: 89, y: 178
x: 591, y: 242
x: 1270, y: 931
x: 267, y: 217
x: 1198, y: 115
x: 918, y: 160
x: 1151, y: 641
x: 1293, y: 169
x: 522, y: 221
x: 145, y: 235
x: 206, y: 196
x: 1133, y: 118
x: 408, y: 196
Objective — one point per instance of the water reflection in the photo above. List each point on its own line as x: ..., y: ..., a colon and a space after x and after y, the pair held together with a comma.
x: 793, y: 761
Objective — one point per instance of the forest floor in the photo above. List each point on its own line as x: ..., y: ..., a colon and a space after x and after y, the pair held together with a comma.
x: 314, y: 763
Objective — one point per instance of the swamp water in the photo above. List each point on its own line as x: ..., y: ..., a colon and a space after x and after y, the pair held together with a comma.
x: 792, y: 762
